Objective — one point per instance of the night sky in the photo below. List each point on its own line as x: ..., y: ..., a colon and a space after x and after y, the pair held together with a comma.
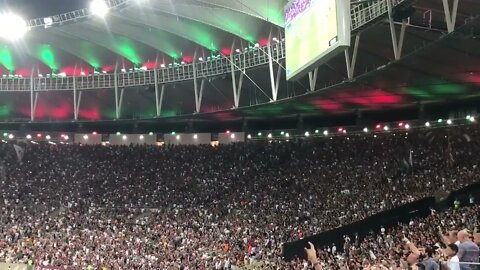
x: 41, y: 8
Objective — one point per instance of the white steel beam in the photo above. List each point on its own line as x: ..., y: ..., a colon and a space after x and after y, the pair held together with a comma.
x: 397, y: 44
x: 34, y: 106
x: 78, y: 102
x: 450, y: 16
x: 32, y: 102
x: 273, y: 82
x: 312, y: 79
x: 120, y: 103
x: 351, y: 63
x: 159, y: 99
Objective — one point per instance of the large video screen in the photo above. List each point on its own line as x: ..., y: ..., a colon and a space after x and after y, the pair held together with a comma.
x: 315, y: 31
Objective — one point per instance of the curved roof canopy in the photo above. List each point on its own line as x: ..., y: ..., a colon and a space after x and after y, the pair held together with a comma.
x: 144, y: 33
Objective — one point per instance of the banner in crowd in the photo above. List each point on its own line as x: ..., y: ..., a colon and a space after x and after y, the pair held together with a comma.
x: 13, y: 266
x: 41, y: 267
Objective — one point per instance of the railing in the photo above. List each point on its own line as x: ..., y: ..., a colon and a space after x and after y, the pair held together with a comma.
x: 361, y: 15
x: 250, y: 58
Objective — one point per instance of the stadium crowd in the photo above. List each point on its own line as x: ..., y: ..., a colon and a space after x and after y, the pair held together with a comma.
x: 203, y: 207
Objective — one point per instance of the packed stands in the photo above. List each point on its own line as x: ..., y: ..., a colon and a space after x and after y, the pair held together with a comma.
x: 203, y: 207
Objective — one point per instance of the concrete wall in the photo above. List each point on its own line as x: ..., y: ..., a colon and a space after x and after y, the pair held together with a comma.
x: 127, y: 139
x: 231, y: 137
x: 188, y: 138
x: 88, y: 138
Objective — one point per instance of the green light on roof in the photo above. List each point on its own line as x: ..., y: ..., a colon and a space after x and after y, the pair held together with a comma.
x: 6, y: 58
x: 173, y: 132
x: 118, y: 133
x: 128, y: 51
x: 46, y: 55
x: 440, y: 120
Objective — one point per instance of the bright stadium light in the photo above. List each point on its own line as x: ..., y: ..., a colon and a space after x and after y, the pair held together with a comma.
x: 48, y: 137
x: 449, y: 121
x: 325, y: 132
x: 427, y: 124
x: 124, y: 137
x: 12, y: 27
x: 99, y: 8
x: 141, y: 137
x: 365, y: 130
x: 29, y: 136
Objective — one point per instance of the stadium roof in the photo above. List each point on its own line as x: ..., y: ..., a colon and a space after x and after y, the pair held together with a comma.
x: 435, y: 67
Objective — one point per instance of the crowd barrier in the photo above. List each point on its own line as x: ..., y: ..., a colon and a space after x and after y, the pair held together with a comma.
x: 390, y: 218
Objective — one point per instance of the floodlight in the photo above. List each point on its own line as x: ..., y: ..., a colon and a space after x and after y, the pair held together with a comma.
x: 449, y: 121
x: 195, y: 136
x: 141, y: 137
x: 124, y: 137
x: 48, y: 137
x: 365, y: 130
x: 48, y: 21
x: 10, y: 136
x: 249, y: 136
x: 12, y: 27
x: 29, y: 136
x: 232, y: 136
x: 99, y: 8
x: 427, y: 124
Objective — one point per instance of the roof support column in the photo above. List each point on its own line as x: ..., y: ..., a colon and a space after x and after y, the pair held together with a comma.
x: 33, y: 99
x: 77, y: 108
x: 274, y: 82
x: 76, y: 101
x: 450, y: 16
x: 397, y: 44
x: 159, y: 99
x: 118, y: 98
x: 351, y: 63
x: 312, y: 79
x: 198, y: 92
x: 237, y: 89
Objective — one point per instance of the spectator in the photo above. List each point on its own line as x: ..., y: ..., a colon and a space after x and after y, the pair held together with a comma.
x: 467, y: 251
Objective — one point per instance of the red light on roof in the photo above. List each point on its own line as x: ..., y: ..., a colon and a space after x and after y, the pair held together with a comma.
x: 400, y: 124
x: 94, y: 133
x: 62, y: 135
x: 228, y: 131
x: 340, y: 129
x: 378, y: 126
x: 39, y: 135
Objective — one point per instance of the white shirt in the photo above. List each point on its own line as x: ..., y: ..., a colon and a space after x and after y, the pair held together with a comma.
x: 453, y: 263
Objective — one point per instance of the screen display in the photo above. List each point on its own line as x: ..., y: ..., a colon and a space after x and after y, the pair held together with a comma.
x: 313, y: 30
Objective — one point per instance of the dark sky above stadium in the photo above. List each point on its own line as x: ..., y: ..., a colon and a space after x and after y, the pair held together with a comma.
x: 41, y: 8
